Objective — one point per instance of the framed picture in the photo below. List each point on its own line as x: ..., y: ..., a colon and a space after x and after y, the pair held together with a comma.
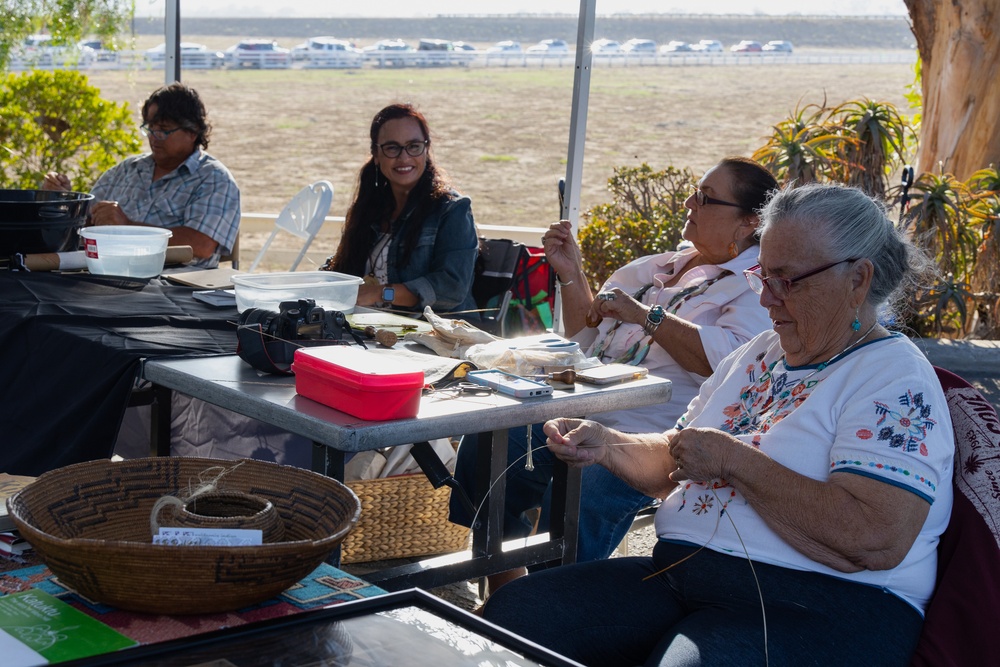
x: 409, y: 627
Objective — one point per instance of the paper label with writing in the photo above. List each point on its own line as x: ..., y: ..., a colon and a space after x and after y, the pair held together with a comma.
x: 214, y: 537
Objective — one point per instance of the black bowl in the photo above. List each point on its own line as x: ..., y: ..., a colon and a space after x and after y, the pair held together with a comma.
x: 34, y: 221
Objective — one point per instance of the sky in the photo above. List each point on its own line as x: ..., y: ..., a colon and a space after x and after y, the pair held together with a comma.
x: 411, y: 8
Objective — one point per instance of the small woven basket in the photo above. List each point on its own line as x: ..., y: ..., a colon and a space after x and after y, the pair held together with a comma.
x: 89, y: 522
x: 228, y: 509
x: 401, y: 517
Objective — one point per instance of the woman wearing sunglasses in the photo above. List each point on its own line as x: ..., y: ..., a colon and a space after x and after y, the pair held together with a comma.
x: 408, y: 233
x: 676, y: 313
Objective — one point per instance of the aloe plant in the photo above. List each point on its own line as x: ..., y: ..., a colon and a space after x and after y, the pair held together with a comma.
x: 880, y: 138
x: 941, y: 223
x: 803, y: 148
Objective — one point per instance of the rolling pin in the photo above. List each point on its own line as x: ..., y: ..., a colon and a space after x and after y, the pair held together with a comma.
x: 69, y: 261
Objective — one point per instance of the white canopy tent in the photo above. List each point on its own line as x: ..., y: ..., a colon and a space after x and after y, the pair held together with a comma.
x: 578, y: 114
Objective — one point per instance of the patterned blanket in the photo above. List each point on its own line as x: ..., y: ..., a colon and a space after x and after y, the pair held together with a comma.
x: 325, y: 586
x: 960, y: 622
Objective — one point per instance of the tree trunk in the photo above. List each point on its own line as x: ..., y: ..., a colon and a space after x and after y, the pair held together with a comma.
x: 959, y: 44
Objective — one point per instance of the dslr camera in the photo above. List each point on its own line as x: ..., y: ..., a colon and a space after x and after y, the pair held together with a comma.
x: 267, y: 340
x: 297, y: 320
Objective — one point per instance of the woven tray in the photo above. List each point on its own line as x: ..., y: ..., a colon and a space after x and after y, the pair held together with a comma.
x: 401, y: 517
x: 89, y: 523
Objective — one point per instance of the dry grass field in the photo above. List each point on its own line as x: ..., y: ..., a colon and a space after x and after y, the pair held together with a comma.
x: 501, y: 133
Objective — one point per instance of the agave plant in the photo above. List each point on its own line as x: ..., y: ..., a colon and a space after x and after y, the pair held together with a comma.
x: 880, y: 137
x: 803, y: 147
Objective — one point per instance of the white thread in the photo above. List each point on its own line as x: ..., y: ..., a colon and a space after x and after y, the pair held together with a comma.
x: 181, y: 498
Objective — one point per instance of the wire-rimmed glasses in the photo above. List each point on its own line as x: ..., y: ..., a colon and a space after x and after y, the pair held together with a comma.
x: 782, y: 287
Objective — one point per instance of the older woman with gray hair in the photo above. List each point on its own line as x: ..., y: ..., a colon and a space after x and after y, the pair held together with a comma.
x: 804, y: 489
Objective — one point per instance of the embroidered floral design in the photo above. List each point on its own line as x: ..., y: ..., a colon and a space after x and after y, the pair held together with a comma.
x: 766, y: 400
x: 907, y: 427
x: 703, y: 505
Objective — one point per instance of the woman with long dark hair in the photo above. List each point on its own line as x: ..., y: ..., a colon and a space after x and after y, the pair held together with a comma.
x: 408, y: 233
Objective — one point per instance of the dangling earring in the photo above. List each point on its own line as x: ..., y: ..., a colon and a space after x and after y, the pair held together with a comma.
x: 376, y: 174
x: 856, y: 324
x: 734, y: 250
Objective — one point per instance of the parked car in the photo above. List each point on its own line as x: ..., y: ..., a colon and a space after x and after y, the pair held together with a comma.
x: 506, y: 46
x: 193, y: 56
x: 389, y: 53
x: 605, y: 46
x: 547, y: 46
x: 464, y: 46
x: 746, y: 46
x: 441, y: 53
x: 98, y: 52
x: 777, y: 46
x: 637, y: 47
x: 39, y: 51
x: 258, y: 54
x: 328, y: 52
x: 708, y: 46
x: 675, y: 46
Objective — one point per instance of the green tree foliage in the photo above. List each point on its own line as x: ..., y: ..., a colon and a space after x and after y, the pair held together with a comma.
x: 646, y: 216
x: 56, y: 121
x: 67, y: 21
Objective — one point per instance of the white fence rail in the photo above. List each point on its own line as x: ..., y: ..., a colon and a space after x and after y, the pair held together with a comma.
x: 133, y: 60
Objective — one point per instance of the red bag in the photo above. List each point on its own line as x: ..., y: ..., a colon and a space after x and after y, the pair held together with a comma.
x: 533, y: 294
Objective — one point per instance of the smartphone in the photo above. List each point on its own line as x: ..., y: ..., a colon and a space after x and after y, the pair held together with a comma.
x: 611, y: 374
x: 513, y: 385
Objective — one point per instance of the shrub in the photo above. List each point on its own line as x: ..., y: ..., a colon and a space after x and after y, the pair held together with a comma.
x: 56, y: 121
x: 646, y: 216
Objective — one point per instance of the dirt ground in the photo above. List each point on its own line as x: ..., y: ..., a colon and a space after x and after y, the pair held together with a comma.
x: 501, y: 133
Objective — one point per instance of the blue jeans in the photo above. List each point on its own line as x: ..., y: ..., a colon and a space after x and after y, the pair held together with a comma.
x: 705, y: 610
x: 607, y: 504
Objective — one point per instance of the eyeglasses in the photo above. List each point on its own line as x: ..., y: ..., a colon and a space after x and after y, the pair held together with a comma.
x: 159, y: 135
x: 413, y: 149
x: 782, y: 287
x: 702, y: 199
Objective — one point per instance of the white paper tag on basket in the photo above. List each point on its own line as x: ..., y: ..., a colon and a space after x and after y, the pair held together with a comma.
x: 209, y: 537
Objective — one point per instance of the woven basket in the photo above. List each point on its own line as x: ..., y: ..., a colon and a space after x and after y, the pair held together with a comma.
x: 89, y: 522
x: 401, y: 517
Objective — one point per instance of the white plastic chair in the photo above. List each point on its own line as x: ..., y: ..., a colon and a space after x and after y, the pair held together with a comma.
x: 303, y: 217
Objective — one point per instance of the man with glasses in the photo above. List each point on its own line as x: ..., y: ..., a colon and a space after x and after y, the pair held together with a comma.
x: 176, y: 185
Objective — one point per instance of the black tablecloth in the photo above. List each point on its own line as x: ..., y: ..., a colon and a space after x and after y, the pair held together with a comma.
x: 70, y: 348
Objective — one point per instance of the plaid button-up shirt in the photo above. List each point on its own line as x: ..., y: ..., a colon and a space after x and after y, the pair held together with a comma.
x: 200, y: 194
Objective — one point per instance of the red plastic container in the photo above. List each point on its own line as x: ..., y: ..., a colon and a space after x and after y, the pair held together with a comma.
x: 372, y: 386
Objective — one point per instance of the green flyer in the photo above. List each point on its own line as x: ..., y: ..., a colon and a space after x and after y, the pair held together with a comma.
x: 51, y: 630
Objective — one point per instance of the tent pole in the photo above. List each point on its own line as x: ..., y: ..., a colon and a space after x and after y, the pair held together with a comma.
x: 172, y: 46
x: 577, y: 128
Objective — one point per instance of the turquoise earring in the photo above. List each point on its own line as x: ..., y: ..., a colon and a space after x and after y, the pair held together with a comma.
x: 856, y: 324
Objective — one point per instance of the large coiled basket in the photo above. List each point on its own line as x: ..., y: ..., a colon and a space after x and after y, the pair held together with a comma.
x: 90, y: 523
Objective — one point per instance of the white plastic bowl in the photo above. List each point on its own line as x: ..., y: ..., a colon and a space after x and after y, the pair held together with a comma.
x: 126, y: 250
x: 329, y: 289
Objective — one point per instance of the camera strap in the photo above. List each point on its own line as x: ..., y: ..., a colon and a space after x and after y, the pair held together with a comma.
x: 269, y: 354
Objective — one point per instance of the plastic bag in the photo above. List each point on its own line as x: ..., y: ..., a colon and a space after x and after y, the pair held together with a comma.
x: 528, y: 355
